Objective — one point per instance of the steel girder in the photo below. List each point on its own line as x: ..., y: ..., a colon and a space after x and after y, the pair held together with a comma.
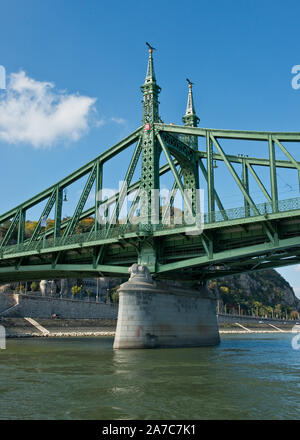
x: 233, y: 240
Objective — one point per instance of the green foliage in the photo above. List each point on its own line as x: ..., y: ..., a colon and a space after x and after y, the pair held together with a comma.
x: 113, y: 295
x: 76, y: 290
x: 34, y: 287
x: 20, y: 289
x: 294, y: 314
x: 262, y: 293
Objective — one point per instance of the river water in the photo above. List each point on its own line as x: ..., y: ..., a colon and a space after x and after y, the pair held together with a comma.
x: 245, y: 377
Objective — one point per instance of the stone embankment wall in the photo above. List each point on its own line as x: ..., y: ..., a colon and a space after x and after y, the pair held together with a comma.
x: 222, y: 318
x: 44, y: 307
x: 7, y: 301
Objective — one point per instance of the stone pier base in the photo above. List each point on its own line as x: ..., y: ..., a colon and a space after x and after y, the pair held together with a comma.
x: 158, y: 314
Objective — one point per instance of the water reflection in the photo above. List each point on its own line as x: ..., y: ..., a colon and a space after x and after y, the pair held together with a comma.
x: 245, y: 377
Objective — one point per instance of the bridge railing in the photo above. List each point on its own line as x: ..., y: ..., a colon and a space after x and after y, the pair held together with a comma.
x: 120, y: 230
x: 244, y: 212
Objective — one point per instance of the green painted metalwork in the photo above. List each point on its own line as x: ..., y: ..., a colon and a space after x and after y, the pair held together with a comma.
x: 216, y: 196
x: 250, y: 237
x: 245, y: 179
x: 11, y: 229
x: 210, y: 177
x: 21, y: 226
x: 45, y: 213
x: 190, y: 119
x: 126, y: 183
x: 286, y: 152
x: 98, y: 188
x: 151, y: 150
x: 58, y: 212
x: 260, y: 184
x: 167, y: 213
x: 188, y: 164
x: 186, y: 196
x: 82, y: 201
x: 274, y: 190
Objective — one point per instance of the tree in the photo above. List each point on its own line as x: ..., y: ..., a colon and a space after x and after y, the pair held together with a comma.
x: 75, y: 290
x: 257, y: 305
x: 20, y: 289
x: 34, y: 286
x: 278, y: 310
x: 113, y: 295
x: 89, y: 293
x: 294, y: 314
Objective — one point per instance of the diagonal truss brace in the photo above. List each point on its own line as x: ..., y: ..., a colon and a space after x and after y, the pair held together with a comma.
x: 241, y: 186
x: 122, y: 195
x: 82, y: 201
x: 45, y: 213
x: 186, y: 199
x: 11, y: 229
x: 217, y: 198
x: 126, y: 183
x: 174, y: 189
x: 290, y: 157
x: 133, y: 207
x: 259, y: 182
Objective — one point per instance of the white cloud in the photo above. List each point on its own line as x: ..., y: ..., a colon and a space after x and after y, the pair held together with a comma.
x: 118, y: 120
x: 34, y: 112
x: 100, y: 122
x: 104, y: 121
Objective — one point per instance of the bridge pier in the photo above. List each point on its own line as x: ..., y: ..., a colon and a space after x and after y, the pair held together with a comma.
x: 159, y: 314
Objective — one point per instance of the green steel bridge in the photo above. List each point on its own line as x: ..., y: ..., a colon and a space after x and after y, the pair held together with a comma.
x: 231, y: 241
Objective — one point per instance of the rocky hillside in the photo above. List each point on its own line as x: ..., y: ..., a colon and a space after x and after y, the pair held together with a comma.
x: 263, y: 292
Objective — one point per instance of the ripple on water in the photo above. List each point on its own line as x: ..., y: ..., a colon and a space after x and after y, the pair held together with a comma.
x: 245, y: 377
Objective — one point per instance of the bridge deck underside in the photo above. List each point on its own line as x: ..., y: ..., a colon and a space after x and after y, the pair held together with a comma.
x: 219, y: 250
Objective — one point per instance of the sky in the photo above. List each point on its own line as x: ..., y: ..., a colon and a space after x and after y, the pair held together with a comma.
x: 74, y: 70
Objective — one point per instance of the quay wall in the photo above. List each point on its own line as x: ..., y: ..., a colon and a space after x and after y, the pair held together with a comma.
x: 44, y: 307
x: 222, y: 318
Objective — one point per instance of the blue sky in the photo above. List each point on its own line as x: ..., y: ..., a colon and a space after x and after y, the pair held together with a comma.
x: 87, y: 59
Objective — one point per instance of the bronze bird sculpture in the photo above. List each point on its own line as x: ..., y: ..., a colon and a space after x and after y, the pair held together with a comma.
x: 150, y: 47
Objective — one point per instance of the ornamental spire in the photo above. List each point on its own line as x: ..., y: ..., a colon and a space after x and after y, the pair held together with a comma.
x: 150, y: 91
x: 150, y: 75
x: 190, y: 110
x: 190, y: 118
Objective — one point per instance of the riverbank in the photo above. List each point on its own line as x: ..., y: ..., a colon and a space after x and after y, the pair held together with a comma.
x: 28, y: 327
x: 61, y: 328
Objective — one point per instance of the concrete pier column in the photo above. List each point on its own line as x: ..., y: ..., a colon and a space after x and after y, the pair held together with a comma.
x: 161, y: 314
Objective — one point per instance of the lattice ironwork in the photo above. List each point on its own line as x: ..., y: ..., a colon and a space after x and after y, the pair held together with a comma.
x: 192, y: 154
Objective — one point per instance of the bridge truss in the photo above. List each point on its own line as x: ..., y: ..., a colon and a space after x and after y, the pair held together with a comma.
x: 230, y: 241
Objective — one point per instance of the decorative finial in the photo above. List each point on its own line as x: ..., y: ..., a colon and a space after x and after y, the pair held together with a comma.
x: 190, y: 118
x: 150, y: 47
x: 190, y: 83
x: 150, y: 75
